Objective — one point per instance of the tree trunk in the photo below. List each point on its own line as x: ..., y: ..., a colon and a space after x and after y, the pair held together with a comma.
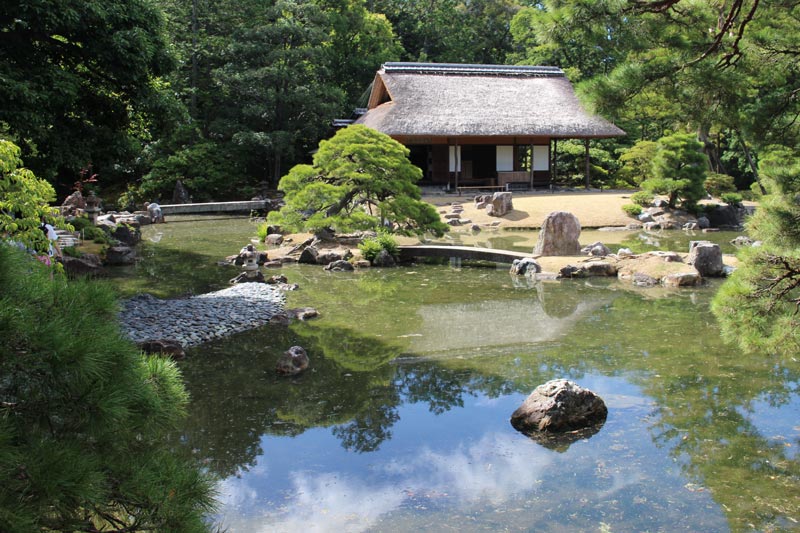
x: 752, y: 164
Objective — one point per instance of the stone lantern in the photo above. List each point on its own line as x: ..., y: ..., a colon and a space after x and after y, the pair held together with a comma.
x: 92, y: 207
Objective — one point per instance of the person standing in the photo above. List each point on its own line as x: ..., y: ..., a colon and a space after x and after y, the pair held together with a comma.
x: 154, y: 210
x: 52, y: 237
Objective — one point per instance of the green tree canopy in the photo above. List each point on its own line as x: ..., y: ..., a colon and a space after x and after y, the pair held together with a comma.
x: 24, y: 201
x: 80, y: 82
x: 759, y: 305
x: 360, y: 179
x: 83, y: 415
x: 679, y: 169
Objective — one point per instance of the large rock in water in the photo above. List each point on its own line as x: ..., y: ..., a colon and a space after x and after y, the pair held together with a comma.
x: 706, y: 257
x: 293, y: 361
x: 559, y: 406
x: 559, y: 235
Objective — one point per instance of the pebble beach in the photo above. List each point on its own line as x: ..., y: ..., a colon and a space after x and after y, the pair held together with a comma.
x: 202, y: 318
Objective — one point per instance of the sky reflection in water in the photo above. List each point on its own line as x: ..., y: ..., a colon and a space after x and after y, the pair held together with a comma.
x: 469, y: 470
x: 401, y: 424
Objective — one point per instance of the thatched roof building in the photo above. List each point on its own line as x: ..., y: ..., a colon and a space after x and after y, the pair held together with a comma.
x: 492, y: 124
x: 424, y: 99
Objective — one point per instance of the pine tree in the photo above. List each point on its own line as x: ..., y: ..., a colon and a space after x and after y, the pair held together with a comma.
x: 360, y: 179
x: 83, y: 414
x: 759, y: 305
x: 679, y: 169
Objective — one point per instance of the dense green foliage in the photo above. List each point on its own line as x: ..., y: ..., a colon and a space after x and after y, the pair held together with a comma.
x: 758, y: 306
x: 83, y: 416
x: 83, y: 82
x: 633, y: 210
x: 227, y: 96
x: 717, y: 184
x: 679, y: 170
x: 24, y: 200
x: 372, y: 247
x: 360, y: 179
x: 642, y: 198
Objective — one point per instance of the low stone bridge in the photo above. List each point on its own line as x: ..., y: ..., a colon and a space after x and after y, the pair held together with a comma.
x: 472, y: 253
x: 215, y: 207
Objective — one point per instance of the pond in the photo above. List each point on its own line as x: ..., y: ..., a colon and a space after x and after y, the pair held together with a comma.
x: 402, y: 421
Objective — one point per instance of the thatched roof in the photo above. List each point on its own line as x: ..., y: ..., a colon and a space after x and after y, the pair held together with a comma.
x: 429, y: 99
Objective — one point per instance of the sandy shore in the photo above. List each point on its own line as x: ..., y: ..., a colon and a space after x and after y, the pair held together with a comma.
x: 593, y: 209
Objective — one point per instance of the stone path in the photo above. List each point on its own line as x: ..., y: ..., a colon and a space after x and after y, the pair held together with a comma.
x: 199, y: 319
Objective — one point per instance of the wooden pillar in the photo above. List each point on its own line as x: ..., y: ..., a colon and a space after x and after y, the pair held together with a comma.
x: 554, y: 164
x: 586, y: 143
x: 457, y: 163
x: 530, y: 161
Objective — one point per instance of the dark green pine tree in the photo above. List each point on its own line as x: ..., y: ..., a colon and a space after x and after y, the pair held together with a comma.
x: 759, y: 305
x: 360, y: 179
x: 83, y: 415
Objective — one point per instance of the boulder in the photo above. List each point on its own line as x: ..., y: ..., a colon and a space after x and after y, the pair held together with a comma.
x: 682, y: 279
x: 559, y: 406
x: 127, y: 234
x: 559, y: 235
x: 72, y: 204
x: 588, y: 270
x: 500, y: 204
x: 726, y: 216
x: 120, y: 255
x: 384, y: 259
x: 657, y: 268
x: 280, y: 278
x: 706, y: 257
x: 326, y: 257
x: 302, y: 313
x: 279, y: 319
x: 180, y: 195
x: 525, y: 266
x: 249, y: 276
x: 292, y: 362
x: 167, y: 347
x: 339, y: 266
x: 309, y: 256
x: 742, y: 240
x: 597, y: 249
x: 85, y: 265
x: 274, y: 239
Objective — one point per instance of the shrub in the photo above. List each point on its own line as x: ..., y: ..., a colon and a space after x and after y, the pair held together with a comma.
x: 632, y: 209
x: 731, y: 198
x: 755, y: 190
x: 679, y: 170
x: 716, y: 184
x: 71, y: 251
x: 371, y: 247
x: 261, y: 231
x: 642, y: 198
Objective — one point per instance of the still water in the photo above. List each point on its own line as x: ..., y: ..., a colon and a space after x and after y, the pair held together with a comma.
x: 401, y: 423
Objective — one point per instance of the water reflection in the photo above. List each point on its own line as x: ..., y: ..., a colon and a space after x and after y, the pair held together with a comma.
x: 699, y: 436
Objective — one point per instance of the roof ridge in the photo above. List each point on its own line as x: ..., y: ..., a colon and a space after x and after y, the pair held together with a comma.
x: 466, y: 69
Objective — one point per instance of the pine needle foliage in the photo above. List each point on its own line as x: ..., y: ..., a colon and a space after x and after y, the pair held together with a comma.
x: 759, y: 305
x: 83, y: 415
x: 360, y: 179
